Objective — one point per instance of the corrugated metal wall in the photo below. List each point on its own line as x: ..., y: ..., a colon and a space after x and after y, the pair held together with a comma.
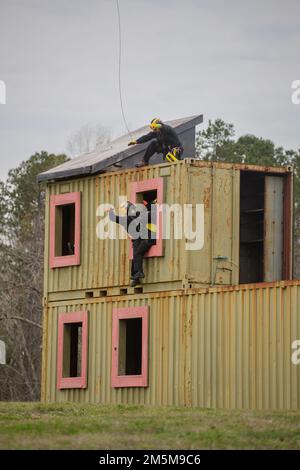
x: 241, y: 348
x: 221, y: 347
x: 218, y: 189
x: 273, y: 228
x: 166, y: 349
x: 105, y: 263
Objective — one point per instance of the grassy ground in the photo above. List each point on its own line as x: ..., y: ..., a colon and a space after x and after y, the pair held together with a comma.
x: 77, y: 426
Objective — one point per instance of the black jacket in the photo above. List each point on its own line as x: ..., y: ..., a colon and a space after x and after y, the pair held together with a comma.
x: 166, y: 137
x: 141, y: 229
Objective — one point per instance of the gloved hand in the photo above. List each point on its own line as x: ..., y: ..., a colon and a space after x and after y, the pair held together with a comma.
x: 132, y: 142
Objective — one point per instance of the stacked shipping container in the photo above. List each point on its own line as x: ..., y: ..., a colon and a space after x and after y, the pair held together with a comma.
x: 204, y: 335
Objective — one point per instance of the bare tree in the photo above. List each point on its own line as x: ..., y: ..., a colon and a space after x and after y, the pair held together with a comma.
x: 88, y: 138
x: 21, y: 277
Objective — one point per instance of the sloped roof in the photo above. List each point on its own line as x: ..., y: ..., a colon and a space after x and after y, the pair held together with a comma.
x: 107, y: 155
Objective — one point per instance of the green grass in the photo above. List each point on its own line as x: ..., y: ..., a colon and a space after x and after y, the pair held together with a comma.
x: 81, y: 426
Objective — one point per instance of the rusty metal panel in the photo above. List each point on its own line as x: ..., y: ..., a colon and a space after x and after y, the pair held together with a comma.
x: 244, y: 167
x: 222, y: 227
x: 235, y: 239
x: 218, y: 189
x: 223, y: 347
x: 288, y: 234
x: 200, y: 191
x: 273, y: 228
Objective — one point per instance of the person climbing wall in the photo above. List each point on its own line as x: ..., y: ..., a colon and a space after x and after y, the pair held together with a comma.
x: 141, y: 227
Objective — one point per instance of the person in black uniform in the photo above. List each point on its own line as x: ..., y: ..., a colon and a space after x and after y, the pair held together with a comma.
x: 142, y: 233
x: 164, y: 140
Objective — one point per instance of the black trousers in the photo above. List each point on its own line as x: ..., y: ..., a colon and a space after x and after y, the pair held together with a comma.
x: 140, y: 248
x: 153, y: 148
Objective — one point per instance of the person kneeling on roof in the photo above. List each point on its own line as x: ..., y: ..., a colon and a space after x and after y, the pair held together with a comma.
x: 164, y: 140
x: 141, y: 227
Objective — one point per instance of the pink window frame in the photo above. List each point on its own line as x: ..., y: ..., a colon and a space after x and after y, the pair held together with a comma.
x: 151, y: 185
x: 61, y: 200
x: 129, y: 380
x: 63, y: 319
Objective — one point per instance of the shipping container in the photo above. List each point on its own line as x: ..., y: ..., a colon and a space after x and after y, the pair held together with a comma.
x: 246, y: 224
x: 223, y: 347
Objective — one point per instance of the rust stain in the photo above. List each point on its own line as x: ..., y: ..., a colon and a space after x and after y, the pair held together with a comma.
x: 206, y: 198
x: 242, y: 166
x: 245, y: 287
x: 288, y: 223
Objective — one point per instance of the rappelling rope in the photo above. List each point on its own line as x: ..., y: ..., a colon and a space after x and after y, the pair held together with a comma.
x: 120, y: 60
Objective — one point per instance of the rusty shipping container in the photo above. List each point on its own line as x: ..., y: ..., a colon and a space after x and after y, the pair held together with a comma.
x: 221, y: 347
x: 245, y: 208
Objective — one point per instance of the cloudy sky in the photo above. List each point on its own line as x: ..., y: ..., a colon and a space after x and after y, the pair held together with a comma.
x: 233, y: 59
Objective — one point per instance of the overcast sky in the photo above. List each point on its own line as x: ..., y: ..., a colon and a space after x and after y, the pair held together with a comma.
x: 233, y: 59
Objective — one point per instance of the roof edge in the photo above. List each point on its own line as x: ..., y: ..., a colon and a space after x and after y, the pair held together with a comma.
x: 62, y: 175
x: 97, y: 167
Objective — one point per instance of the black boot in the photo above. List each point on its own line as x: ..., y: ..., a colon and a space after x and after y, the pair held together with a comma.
x: 140, y: 164
x: 139, y: 275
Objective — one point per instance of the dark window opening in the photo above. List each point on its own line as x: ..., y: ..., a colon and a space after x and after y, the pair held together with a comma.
x: 130, y: 346
x: 138, y: 290
x: 149, y: 197
x: 65, y: 230
x: 72, y: 350
x: 251, y: 227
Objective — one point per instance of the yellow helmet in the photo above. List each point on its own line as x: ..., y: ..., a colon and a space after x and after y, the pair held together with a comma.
x: 156, y: 124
